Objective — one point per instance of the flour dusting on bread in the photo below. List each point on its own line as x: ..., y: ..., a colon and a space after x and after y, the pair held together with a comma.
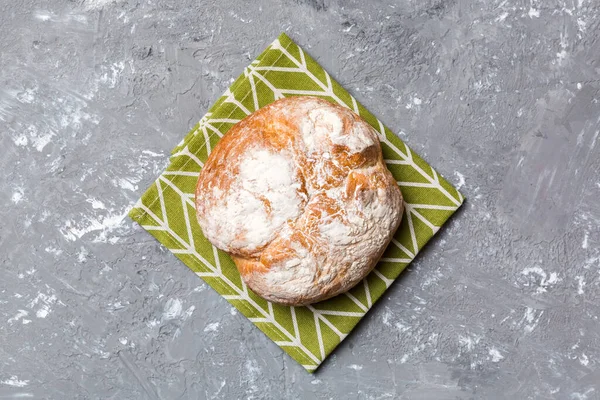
x: 295, y: 276
x: 261, y: 198
x: 271, y: 176
x: 299, y: 194
x: 324, y: 124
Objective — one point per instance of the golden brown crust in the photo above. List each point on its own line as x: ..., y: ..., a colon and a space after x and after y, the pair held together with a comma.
x: 325, y: 235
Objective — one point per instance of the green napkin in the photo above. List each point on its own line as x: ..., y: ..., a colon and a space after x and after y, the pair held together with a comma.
x: 166, y: 210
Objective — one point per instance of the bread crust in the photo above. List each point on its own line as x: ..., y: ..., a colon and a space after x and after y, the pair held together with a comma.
x: 299, y: 195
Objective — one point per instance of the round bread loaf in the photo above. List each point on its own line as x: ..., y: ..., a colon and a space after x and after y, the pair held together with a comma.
x: 299, y: 196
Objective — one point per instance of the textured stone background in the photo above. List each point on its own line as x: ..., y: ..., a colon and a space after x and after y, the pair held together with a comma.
x: 502, y: 97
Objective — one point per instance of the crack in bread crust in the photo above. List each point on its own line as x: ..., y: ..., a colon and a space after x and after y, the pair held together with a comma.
x: 298, y: 194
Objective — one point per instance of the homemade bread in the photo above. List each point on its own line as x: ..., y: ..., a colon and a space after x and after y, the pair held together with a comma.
x: 299, y: 195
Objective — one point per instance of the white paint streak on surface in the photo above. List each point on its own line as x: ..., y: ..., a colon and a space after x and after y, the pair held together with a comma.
x: 580, y: 284
x: 97, y: 4
x: 152, y: 154
x: 188, y: 313
x: 532, y: 319
x: 15, y: 382
x: 355, y: 367
x: 544, y: 279
x: 591, y: 262
x: 461, y: 180
x: 253, y: 373
x: 401, y: 327
x: 82, y: 255
x: 593, y: 144
x: 41, y: 141
x: 20, y: 314
x: 46, y: 302
x: 173, y: 309
x: 386, y: 317
x: 584, y: 245
x: 126, y: 183
x: 562, y: 55
x: 221, y: 386
x: 502, y: 17
x: 213, y: 327
x: 43, y: 15
x: 66, y: 18
x: 21, y: 140
x: 112, y: 73
x: 152, y: 323
x: 469, y: 341
x: 105, y: 224
x: 495, y: 355
x: 582, y: 396
x: 96, y: 204
x: 53, y: 250
x: 17, y: 196
x: 43, y: 311
x: 533, y: 13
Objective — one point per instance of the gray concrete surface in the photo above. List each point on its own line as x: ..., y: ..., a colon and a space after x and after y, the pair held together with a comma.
x: 501, y: 96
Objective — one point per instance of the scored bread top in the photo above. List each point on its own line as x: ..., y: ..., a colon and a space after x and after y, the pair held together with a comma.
x: 298, y: 194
